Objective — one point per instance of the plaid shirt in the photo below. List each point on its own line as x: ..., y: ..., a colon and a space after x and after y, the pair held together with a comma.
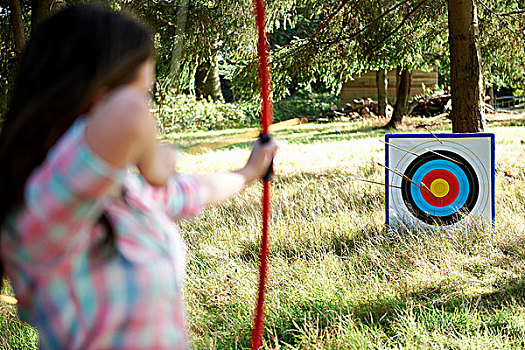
x: 74, y: 294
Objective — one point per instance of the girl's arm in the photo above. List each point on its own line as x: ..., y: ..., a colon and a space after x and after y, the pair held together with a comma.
x: 122, y: 131
x: 219, y: 187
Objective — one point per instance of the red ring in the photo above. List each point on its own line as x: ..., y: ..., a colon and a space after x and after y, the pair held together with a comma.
x: 452, y: 183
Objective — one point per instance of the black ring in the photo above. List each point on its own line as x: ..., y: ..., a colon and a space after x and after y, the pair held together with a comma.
x: 472, y: 197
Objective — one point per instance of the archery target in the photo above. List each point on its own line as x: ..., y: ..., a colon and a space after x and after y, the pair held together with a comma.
x: 441, y: 181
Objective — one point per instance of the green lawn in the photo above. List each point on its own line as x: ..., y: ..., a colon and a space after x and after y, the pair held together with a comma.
x: 336, y: 280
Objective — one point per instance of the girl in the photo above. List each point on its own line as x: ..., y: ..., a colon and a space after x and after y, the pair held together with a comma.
x: 91, y: 249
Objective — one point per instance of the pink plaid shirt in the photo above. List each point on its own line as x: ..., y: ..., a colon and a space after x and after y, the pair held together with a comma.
x: 77, y: 297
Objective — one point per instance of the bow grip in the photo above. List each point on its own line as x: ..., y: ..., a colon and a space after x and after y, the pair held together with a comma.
x: 265, y: 138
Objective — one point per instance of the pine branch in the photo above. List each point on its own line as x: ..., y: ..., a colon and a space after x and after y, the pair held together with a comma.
x: 309, y: 40
x: 501, y: 17
x: 369, y: 25
x: 339, y: 7
x: 517, y: 12
x: 318, y: 30
x: 395, y: 30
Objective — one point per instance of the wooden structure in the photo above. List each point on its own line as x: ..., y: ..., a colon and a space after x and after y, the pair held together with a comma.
x: 365, y: 86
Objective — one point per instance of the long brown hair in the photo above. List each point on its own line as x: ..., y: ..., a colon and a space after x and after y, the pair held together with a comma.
x: 72, y: 56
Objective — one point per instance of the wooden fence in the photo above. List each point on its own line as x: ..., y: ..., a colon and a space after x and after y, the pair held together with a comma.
x: 365, y: 86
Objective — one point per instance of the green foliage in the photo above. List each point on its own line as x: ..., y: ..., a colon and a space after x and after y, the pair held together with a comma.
x: 187, y: 113
x: 328, y: 42
x: 502, y: 40
x: 300, y: 106
x: 213, y: 29
x: 359, y: 36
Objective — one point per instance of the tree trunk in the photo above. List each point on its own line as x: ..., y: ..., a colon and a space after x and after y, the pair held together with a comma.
x: 207, y: 81
x: 403, y: 94
x: 17, y: 22
x: 41, y: 9
x: 382, y: 86
x: 39, y: 12
x: 490, y: 93
x: 182, y: 15
x: 466, y: 76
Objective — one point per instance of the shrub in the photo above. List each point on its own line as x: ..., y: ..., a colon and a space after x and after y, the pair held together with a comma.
x: 187, y: 113
x: 303, y: 105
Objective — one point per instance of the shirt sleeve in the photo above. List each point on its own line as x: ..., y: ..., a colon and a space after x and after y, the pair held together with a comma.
x: 184, y: 197
x: 65, y: 195
x: 181, y: 198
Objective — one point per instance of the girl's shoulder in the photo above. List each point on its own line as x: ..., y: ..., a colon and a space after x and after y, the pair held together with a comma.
x: 119, y: 126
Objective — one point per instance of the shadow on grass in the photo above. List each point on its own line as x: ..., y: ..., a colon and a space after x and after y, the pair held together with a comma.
x: 458, y: 315
x: 504, y: 294
x: 510, y: 121
x: 514, y: 249
x: 336, y: 133
x: 341, y: 245
x: 442, y: 308
x: 309, y: 133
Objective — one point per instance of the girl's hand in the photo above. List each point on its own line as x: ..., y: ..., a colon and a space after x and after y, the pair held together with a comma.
x: 260, y: 160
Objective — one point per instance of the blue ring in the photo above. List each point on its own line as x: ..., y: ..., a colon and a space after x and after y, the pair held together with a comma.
x: 452, y: 207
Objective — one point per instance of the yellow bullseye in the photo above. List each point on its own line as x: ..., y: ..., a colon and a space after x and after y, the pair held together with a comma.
x: 439, y: 188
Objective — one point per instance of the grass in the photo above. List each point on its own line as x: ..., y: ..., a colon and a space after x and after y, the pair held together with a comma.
x: 14, y: 334
x: 336, y: 280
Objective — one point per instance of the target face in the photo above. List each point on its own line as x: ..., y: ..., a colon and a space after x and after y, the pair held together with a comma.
x: 441, y: 180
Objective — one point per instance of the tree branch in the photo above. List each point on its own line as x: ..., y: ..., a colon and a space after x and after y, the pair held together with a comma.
x: 517, y: 12
x: 353, y: 35
x: 499, y: 16
x: 405, y: 18
x: 339, y: 7
x: 319, y: 29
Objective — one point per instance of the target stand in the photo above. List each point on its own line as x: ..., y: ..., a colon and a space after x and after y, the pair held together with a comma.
x: 440, y: 180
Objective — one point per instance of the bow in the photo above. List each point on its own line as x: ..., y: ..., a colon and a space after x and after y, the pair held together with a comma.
x: 266, y: 119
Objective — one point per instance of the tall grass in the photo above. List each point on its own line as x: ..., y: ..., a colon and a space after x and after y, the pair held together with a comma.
x: 336, y: 279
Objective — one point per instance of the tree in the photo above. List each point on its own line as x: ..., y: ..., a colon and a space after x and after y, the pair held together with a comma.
x: 12, y: 41
x: 41, y: 9
x: 382, y: 87
x: 466, y: 77
x: 216, y: 34
x: 313, y: 42
x: 207, y: 80
x: 17, y: 24
x: 354, y: 36
x: 403, y: 93
x: 357, y: 36
x: 13, y: 21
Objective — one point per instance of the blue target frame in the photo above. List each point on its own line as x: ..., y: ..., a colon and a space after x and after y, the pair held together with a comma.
x: 476, y: 149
